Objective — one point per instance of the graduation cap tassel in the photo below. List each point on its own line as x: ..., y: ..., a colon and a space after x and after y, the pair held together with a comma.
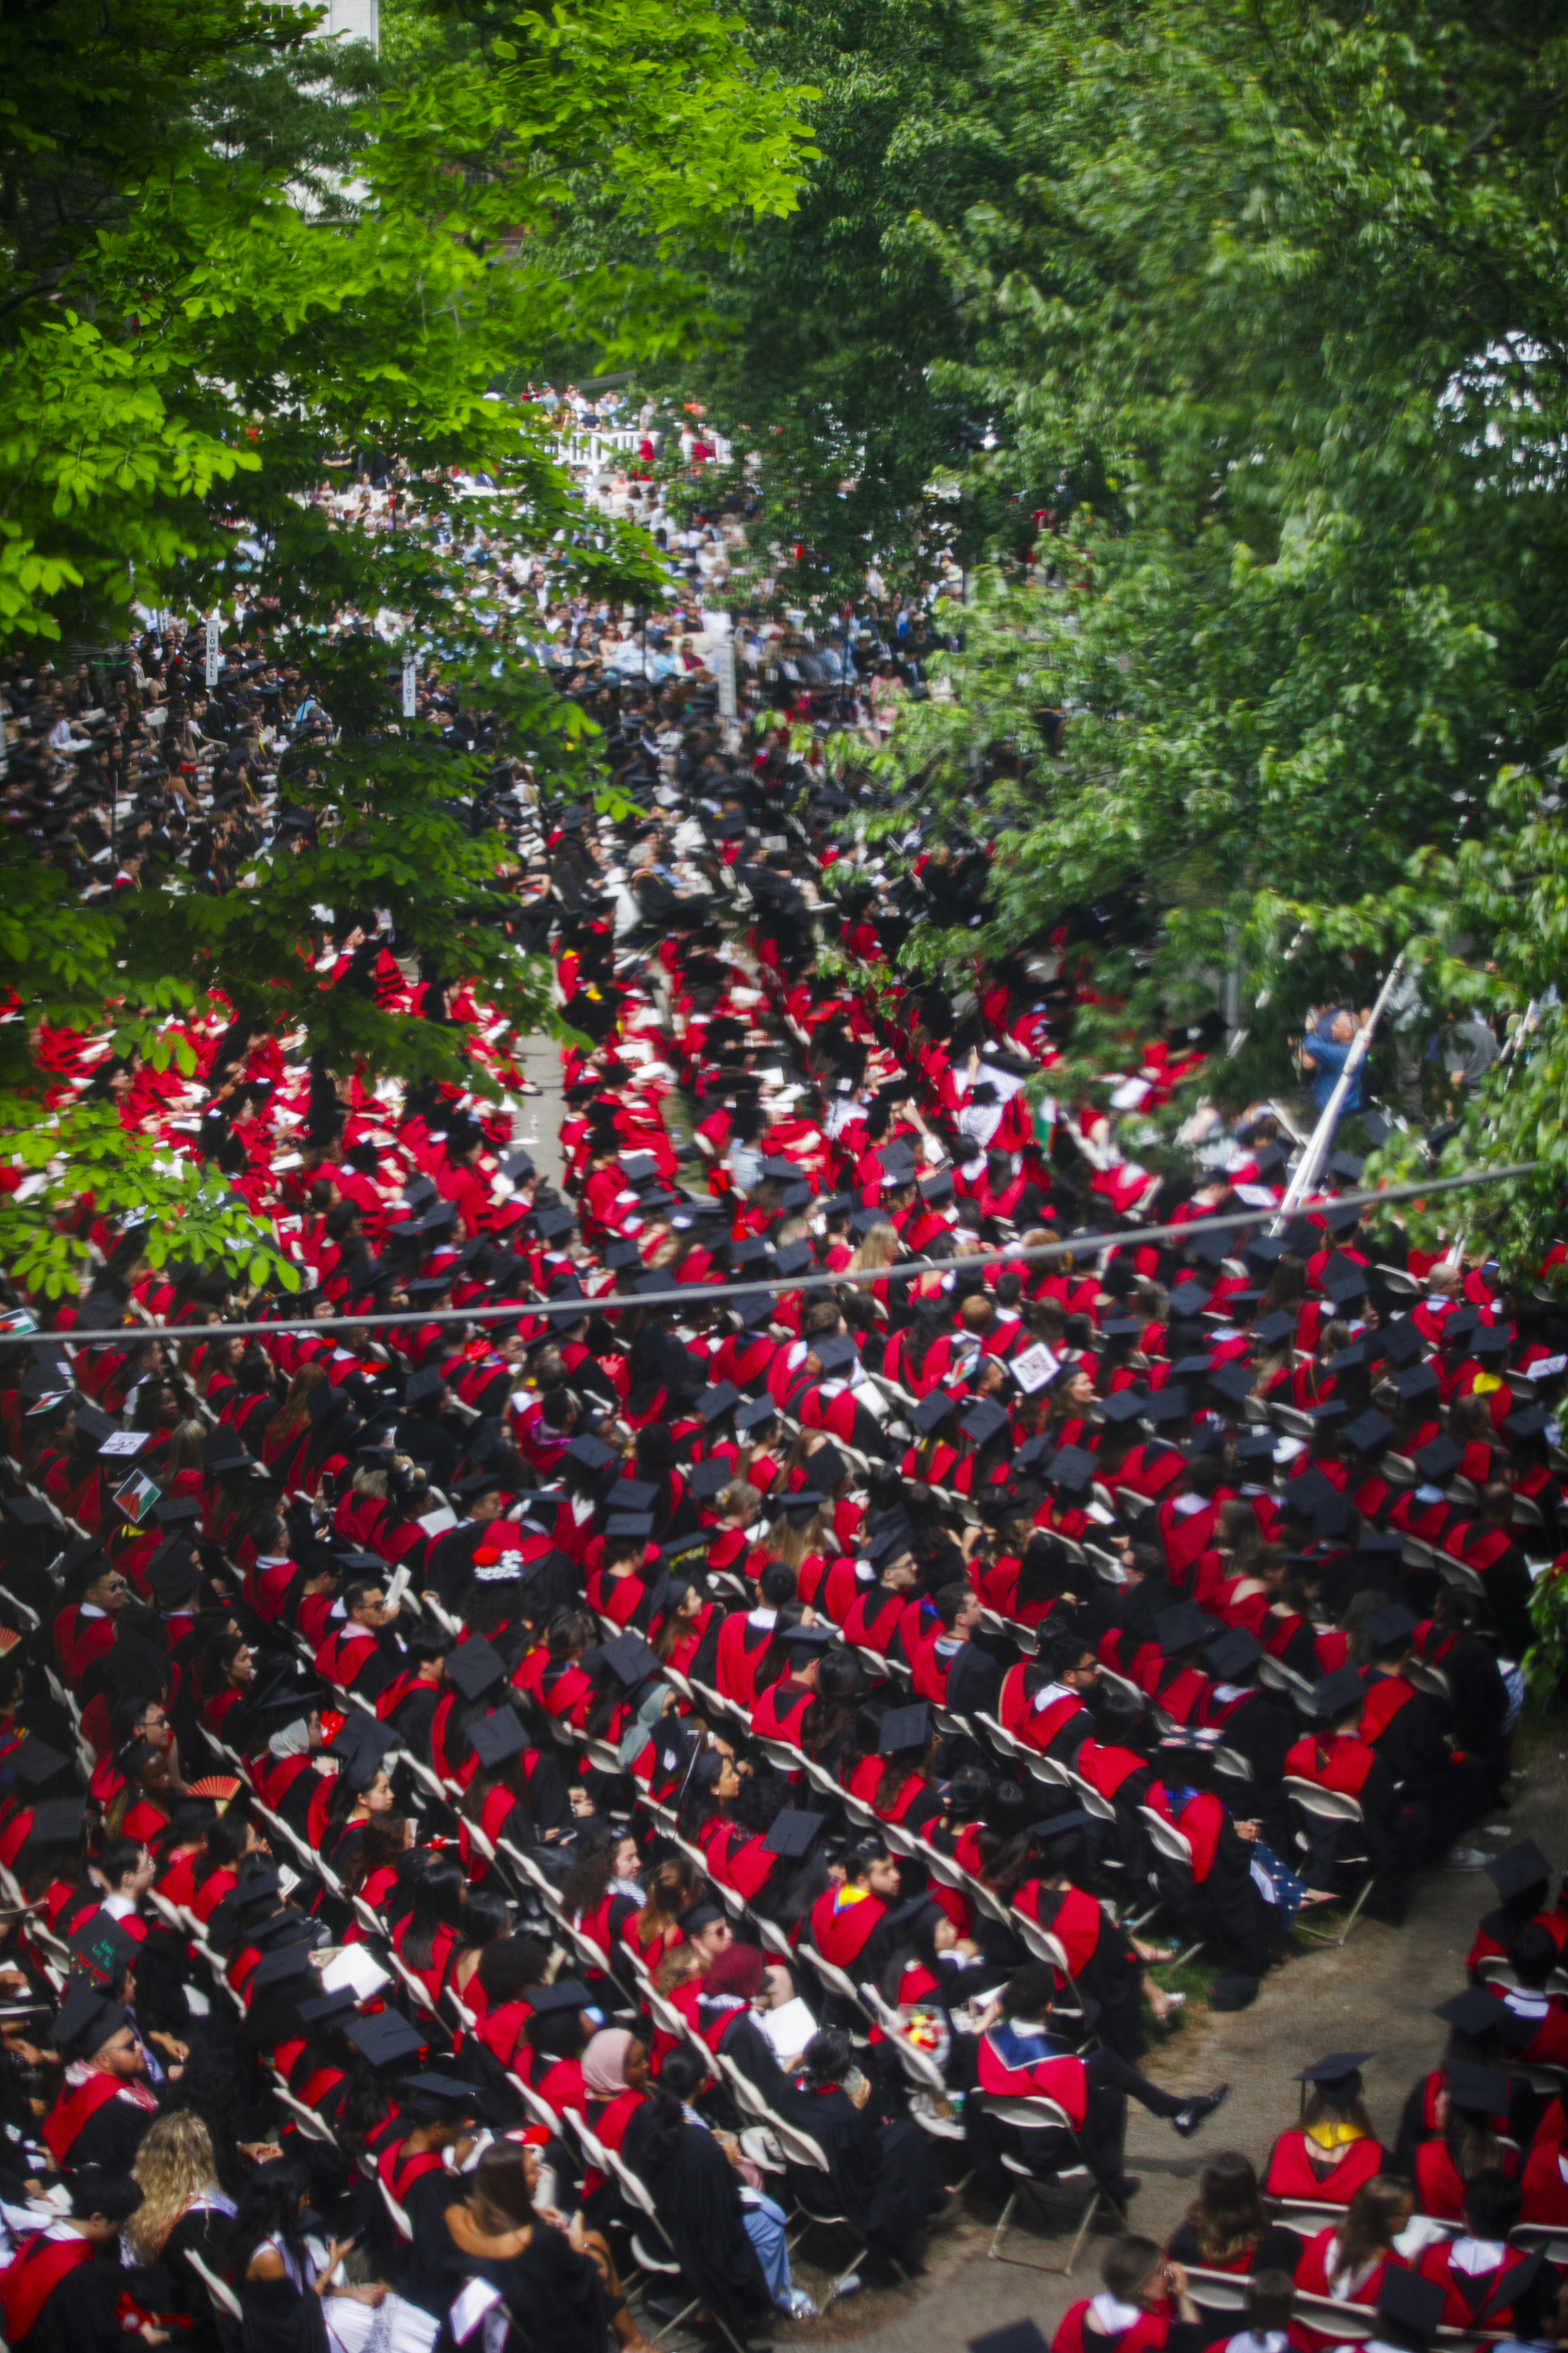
x: 1305, y: 1178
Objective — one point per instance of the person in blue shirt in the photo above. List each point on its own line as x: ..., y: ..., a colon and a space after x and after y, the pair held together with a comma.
x: 1325, y: 1050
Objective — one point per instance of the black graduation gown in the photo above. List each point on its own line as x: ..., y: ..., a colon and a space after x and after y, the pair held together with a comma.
x: 697, y: 2194
x: 81, y: 2314
x: 974, y: 1682
x: 886, y: 2179
x: 207, y: 2234
x: 112, y: 2138
x: 1453, y: 1794
x: 449, y: 1569
x: 277, y: 2318
x: 554, y: 2296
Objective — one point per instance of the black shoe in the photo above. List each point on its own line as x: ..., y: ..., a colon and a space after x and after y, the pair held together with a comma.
x: 1122, y: 2193
x: 1187, y: 2119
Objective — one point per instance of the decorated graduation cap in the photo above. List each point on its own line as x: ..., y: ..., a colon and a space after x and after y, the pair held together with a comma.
x: 475, y: 1667
x: 904, y: 1731
x: 1184, y: 1628
x: 793, y: 1834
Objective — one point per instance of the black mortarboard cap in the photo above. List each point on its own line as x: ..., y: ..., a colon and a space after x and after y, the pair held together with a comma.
x: 422, y: 1384
x: 173, y: 1573
x: 1390, y: 1628
x: 1491, y: 1340
x: 631, y: 1524
x: 35, y: 1763
x: 708, y: 1479
x: 1055, y: 1827
x: 1338, y: 1693
x: 91, y: 1423
x: 633, y: 1494
x: 570, y: 1993
x: 329, y: 2009
x: 440, y: 2094
x: 1339, y: 2075
x: 1235, y: 1653
x: 475, y: 1668
x: 362, y: 1740
x: 176, y: 1510
x: 1416, y: 1381
x: 836, y: 1356
x: 755, y: 1412
x: 1526, y: 1422
x: 792, y: 1832
x: 983, y: 1420
x: 57, y: 1822
x: 810, y: 1636
x: 1177, y: 1629
x: 1479, y: 2091
x: 1411, y: 2301
x: 590, y: 1454
x: 824, y: 1470
x: 1370, y: 1432
x: 1213, y: 1249
x: 1473, y: 2013
x: 552, y: 1224
x: 29, y: 1512
x: 384, y: 2038
x: 280, y: 1966
x: 933, y: 1411
x: 1168, y: 1404
x: 1232, y: 1382
x: 1071, y: 1468
x: 497, y: 1737
x: 85, y: 2019
x: 795, y: 1259
x: 1124, y: 1405
x: 630, y: 1661
x: 1274, y: 1330
x: 1518, y: 1869
x: 1331, y: 1415
x: 889, y: 1543
x: 1189, y: 1299
x: 1402, y: 1341
x: 1438, y: 1461
x: 905, y: 1730
x: 720, y: 1399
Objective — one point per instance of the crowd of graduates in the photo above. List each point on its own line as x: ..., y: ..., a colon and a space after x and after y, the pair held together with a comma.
x: 713, y: 1717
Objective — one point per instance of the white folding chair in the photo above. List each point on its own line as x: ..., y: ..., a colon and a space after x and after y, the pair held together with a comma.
x: 1035, y: 2113
x: 1330, y: 1805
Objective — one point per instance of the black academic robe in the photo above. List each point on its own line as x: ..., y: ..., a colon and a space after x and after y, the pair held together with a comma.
x: 82, y: 2314
x: 696, y: 2194
x: 886, y: 2179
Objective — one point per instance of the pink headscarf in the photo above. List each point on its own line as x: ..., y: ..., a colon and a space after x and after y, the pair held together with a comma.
x: 604, y: 2062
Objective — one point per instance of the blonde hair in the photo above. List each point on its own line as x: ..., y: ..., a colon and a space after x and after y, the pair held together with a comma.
x: 879, y: 1247
x: 174, y: 2166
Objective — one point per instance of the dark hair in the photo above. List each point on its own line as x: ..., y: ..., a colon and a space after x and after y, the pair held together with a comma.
x: 1128, y: 2265
x: 1271, y: 2303
x: 383, y: 1839
x: 438, y: 1893
x: 829, y: 2056
x: 589, y: 1878
x: 1493, y: 2204
x: 1533, y: 1954
x: 1066, y: 1655
x: 269, y: 2207
x: 1030, y: 1991
x: 507, y: 1969
x: 118, y: 1856
x: 1226, y: 2217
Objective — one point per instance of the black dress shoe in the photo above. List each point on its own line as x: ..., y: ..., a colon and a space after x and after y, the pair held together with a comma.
x: 1187, y: 2120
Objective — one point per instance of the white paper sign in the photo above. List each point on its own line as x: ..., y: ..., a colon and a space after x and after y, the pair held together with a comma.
x: 411, y: 680
x: 1035, y: 1367
x: 436, y: 1523
x: 214, y: 649
x: 355, y: 1969
x: 126, y: 1442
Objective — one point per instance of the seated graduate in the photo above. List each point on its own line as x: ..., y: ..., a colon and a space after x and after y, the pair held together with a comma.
x: 61, y: 2292
x: 1334, y: 2150
x: 886, y: 2178
x: 1144, y: 2307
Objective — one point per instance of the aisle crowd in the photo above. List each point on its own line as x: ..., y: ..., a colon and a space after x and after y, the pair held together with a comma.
x: 506, y: 1818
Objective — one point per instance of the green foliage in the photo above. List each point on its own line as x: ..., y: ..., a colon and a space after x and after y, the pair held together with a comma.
x: 1272, y: 329
x: 1546, y: 1663
x: 199, y: 310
